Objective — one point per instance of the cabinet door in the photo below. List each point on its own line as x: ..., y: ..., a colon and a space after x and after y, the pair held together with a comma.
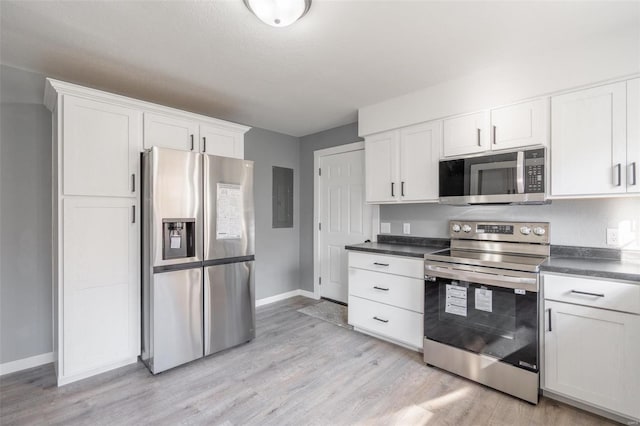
x: 588, y: 141
x: 466, y: 134
x: 100, y: 146
x: 220, y: 141
x: 419, y: 156
x: 519, y: 125
x: 170, y: 132
x: 381, y: 167
x: 101, y: 283
x: 633, y: 135
x: 591, y: 355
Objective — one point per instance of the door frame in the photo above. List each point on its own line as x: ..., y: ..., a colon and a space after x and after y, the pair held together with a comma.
x: 375, y: 208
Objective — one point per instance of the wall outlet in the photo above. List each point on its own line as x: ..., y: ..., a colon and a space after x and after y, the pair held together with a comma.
x: 406, y: 228
x: 612, y: 237
x: 385, y: 228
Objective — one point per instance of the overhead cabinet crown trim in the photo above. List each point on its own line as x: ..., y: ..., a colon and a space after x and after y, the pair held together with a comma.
x: 53, y: 88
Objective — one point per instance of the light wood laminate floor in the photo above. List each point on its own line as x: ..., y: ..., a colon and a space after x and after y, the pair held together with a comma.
x: 299, y: 370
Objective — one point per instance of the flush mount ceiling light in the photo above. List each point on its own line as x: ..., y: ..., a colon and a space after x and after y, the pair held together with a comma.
x: 278, y: 13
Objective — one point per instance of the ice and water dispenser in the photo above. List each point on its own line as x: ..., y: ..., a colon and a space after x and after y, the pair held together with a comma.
x: 178, y: 238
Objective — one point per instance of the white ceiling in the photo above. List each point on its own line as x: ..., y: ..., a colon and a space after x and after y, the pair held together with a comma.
x: 215, y: 58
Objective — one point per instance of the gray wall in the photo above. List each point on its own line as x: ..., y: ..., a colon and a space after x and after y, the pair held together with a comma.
x: 308, y: 144
x: 277, y: 249
x: 25, y: 216
x: 573, y: 222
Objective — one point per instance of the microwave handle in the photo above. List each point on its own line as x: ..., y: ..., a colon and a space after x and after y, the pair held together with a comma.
x: 520, y: 172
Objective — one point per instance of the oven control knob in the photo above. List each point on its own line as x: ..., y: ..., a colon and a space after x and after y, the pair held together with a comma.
x: 455, y: 227
x: 466, y: 228
x: 538, y: 230
x: 525, y: 230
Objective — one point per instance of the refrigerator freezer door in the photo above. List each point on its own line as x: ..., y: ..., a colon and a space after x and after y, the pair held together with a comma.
x: 229, y: 301
x: 173, y: 192
x: 228, y: 208
x: 177, y: 318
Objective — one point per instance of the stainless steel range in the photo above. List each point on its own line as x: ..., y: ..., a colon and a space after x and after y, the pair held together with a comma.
x: 481, y: 304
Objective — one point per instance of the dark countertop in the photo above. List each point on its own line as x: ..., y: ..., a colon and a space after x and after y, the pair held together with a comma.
x: 585, y: 261
x: 628, y: 270
x: 396, y: 249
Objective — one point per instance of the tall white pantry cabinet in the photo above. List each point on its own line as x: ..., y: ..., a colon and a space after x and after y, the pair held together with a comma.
x: 97, y: 141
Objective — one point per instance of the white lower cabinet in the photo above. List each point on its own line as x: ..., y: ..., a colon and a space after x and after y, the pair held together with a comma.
x: 385, y: 304
x: 591, y: 353
x: 98, y: 312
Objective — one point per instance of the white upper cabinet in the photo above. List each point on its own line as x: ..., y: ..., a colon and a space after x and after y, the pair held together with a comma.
x: 381, y: 165
x: 633, y: 135
x: 221, y: 141
x: 170, y: 132
x: 176, y: 132
x: 402, y: 165
x: 512, y: 126
x: 519, y: 125
x: 101, y: 143
x: 589, y: 141
x: 466, y: 134
x: 419, y: 156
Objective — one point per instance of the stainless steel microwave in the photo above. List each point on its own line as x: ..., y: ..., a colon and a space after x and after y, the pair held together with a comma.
x: 507, y: 178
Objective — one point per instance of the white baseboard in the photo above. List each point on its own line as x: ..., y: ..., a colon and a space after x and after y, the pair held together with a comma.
x: 65, y: 380
x: 24, y: 363
x: 283, y: 296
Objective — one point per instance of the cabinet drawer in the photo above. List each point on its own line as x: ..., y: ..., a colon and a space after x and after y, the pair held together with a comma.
x: 387, y: 321
x: 402, y: 292
x: 390, y: 264
x: 602, y: 294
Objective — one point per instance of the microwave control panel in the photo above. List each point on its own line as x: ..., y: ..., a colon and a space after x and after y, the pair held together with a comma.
x: 534, y: 171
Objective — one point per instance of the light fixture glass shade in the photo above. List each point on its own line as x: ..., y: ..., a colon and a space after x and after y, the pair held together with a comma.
x: 278, y: 13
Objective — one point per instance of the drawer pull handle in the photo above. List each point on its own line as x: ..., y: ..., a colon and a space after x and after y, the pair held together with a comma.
x: 380, y: 264
x: 586, y: 293
x: 381, y: 320
x: 380, y: 288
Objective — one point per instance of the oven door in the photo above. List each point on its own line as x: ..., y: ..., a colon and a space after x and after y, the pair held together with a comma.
x: 489, y: 319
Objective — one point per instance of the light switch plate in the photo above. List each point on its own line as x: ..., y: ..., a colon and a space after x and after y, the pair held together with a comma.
x: 385, y: 228
x: 406, y: 228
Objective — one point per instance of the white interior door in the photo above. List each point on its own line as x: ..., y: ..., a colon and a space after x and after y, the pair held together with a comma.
x: 345, y: 218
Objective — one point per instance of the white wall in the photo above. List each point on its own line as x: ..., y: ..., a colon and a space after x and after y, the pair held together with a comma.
x: 573, y: 222
x: 603, y: 58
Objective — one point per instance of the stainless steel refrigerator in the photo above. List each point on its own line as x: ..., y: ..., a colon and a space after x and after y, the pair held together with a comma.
x: 198, y: 256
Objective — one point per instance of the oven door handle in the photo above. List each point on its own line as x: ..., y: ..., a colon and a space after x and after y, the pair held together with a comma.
x: 529, y: 284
